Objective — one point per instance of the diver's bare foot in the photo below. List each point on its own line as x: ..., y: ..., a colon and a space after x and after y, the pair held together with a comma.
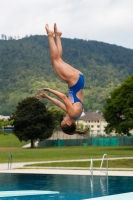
x: 49, y: 32
x: 56, y: 30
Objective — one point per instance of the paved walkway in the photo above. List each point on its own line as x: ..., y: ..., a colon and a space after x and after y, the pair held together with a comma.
x: 67, y: 171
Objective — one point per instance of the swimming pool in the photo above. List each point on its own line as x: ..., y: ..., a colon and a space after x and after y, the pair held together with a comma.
x: 61, y: 187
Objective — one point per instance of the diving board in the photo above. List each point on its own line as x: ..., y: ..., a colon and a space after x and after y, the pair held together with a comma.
x: 123, y: 196
x: 25, y: 193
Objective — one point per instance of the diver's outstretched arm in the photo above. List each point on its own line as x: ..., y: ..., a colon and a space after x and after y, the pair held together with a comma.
x: 55, y: 101
x: 68, y: 105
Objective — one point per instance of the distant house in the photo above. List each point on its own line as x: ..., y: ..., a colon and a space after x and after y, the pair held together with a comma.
x: 4, y: 117
x: 95, y: 121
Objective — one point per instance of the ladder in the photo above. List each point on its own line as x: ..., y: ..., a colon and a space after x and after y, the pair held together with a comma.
x: 105, y: 156
x: 91, y: 167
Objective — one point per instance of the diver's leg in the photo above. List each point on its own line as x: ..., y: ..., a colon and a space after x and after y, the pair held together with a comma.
x: 58, y: 40
x: 53, y: 48
x: 64, y: 70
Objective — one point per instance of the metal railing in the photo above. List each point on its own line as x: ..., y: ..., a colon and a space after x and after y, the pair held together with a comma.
x: 91, y: 167
x: 91, y: 178
x: 9, y: 161
x: 101, y: 170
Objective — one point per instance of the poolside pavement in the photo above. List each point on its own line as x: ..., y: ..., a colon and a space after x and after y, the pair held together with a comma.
x: 67, y: 171
x: 123, y: 196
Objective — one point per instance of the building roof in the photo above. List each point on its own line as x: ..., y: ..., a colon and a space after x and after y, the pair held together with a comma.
x: 92, y: 116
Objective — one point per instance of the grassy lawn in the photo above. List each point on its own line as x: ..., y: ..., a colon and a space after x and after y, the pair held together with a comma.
x: 10, y: 140
x: 62, y: 153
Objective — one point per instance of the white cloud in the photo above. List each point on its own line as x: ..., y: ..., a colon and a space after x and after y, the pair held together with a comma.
x: 102, y: 20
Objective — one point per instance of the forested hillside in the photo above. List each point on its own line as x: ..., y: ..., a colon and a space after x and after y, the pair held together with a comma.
x: 25, y: 66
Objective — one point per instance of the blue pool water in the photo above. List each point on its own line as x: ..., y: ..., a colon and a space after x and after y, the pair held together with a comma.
x: 61, y: 187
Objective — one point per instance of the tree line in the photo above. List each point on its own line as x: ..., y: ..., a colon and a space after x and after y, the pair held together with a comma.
x: 25, y: 66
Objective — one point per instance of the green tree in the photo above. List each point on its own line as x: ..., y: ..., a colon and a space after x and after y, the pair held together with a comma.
x: 118, y: 110
x: 80, y: 126
x: 57, y: 114
x: 32, y: 121
x: 4, y: 123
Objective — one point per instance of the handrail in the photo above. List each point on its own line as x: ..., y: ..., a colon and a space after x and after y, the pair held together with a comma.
x: 91, y: 167
x: 91, y: 178
x: 9, y: 161
x: 106, y: 172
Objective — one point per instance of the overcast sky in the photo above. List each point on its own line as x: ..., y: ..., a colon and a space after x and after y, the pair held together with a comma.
x: 109, y: 21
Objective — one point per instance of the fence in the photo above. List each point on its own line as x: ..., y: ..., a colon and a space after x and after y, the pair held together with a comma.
x: 121, y: 141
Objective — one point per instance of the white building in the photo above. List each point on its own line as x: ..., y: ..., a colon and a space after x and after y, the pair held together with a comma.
x: 95, y: 121
x: 4, y: 117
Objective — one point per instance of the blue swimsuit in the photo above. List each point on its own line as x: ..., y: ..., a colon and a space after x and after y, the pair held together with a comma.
x: 73, y: 90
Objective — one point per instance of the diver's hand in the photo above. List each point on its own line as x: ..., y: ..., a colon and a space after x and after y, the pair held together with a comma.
x: 41, y: 96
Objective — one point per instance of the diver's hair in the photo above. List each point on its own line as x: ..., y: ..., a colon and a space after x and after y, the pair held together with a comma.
x: 71, y: 129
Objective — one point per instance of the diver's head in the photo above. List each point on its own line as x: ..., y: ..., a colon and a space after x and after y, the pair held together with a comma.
x: 68, y: 125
